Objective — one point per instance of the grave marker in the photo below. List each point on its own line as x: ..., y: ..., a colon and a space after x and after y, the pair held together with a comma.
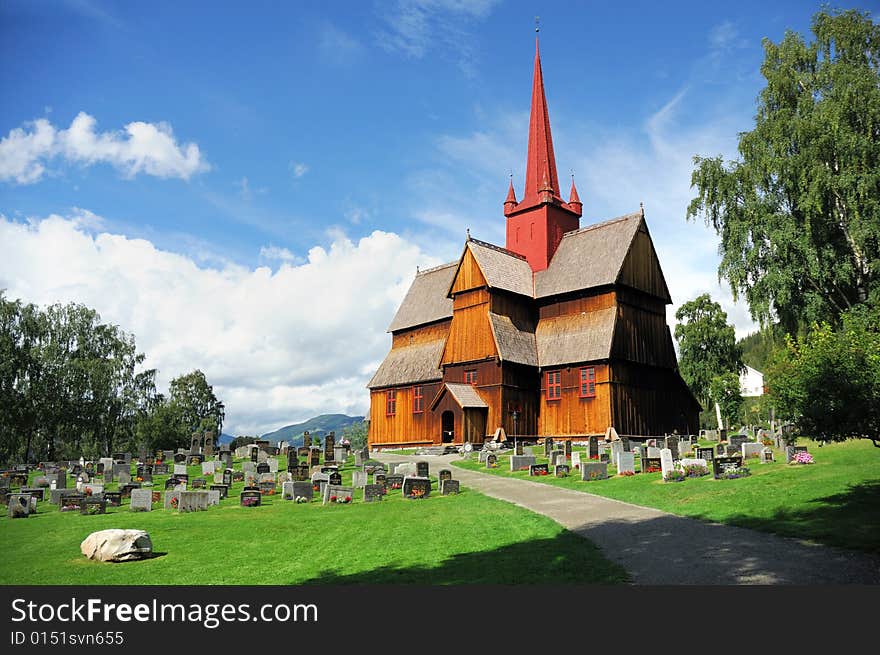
x: 594, y: 471
x: 141, y: 500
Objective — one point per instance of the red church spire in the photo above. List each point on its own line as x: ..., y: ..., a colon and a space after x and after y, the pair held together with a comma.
x: 541, y: 162
x: 536, y: 224
x: 574, y: 200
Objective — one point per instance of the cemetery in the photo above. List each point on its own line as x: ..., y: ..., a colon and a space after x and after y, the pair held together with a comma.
x: 830, y: 497
x: 336, y: 522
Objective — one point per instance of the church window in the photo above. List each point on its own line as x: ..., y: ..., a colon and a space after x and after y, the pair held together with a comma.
x: 470, y: 377
x: 588, y: 382
x: 391, y: 402
x: 554, y: 385
x: 418, y: 400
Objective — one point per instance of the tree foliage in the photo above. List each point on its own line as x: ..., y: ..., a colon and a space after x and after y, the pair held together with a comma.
x: 707, y: 345
x: 199, y: 408
x: 828, y: 381
x: 69, y: 384
x: 724, y: 389
x: 799, y: 212
x: 356, y: 433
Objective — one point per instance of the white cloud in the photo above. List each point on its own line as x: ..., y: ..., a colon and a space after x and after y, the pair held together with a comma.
x: 415, y: 27
x: 148, y: 148
x: 338, y: 47
x: 276, y: 254
x: 279, y: 344
x: 298, y: 169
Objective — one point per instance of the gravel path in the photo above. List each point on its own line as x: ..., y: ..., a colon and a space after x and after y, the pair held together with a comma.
x: 658, y: 548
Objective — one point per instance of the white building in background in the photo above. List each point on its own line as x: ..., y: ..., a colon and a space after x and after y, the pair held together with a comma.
x: 751, y: 383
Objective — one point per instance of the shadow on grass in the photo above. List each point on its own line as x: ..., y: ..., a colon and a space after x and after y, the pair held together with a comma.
x: 565, y: 559
x: 850, y: 519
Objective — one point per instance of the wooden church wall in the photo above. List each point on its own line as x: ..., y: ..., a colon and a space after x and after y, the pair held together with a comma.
x: 420, y: 335
x: 470, y: 335
x: 469, y: 275
x: 571, y: 414
x: 587, y: 303
x: 651, y: 401
x: 641, y: 268
x: 642, y: 336
x: 404, y: 426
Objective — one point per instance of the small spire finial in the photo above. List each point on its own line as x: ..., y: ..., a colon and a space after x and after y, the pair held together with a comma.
x: 468, y: 230
x: 417, y: 269
x: 641, y: 208
x: 537, y: 24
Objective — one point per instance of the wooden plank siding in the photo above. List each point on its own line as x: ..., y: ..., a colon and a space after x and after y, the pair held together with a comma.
x: 651, y: 401
x: 572, y: 415
x: 470, y: 335
x: 589, y: 302
x: 641, y: 268
x: 421, y: 334
x: 404, y: 426
x: 642, y: 336
x: 468, y: 276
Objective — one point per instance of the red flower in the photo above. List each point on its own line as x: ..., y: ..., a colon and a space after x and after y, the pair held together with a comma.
x: 332, y: 499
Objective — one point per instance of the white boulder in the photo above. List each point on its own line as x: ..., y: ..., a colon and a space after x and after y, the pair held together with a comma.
x: 117, y: 545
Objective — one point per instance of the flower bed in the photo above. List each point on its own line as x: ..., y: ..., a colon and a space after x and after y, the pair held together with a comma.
x: 626, y: 473
x: 695, y: 470
x: 802, y: 458
x: 674, y: 476
x: 733, y: 474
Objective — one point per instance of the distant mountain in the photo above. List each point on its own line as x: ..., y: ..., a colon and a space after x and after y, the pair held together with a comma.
x: 225, y: 438
x: 319, y: 425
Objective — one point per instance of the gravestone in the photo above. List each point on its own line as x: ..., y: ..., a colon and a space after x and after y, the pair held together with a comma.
x: 335, y: 493
x: 287, y: 491
x: 198, y: 483
x: 193, y: 501
x: 416, y: 487
x: 315, y: 457
x: 751, y: 449
x: 567, y: 447
x: 273, y: 465
x: 653, y: 453
x: 180, y: 469
x: 548, y: 446
x: 737, y: 440
x: 373, y: 492
x: 538, y: 469
x: 381, y: 478
x: 693, y: 461
x: 448, y: 487
x: 445, y: 474
x: 593, y: 448
x: 666, y: 464
x: 329, y: 444
x: 262, y: 457
x: 18, y: 506
x: 196, y: 460
x: 262, y: 467
x: 320, y: 480
x: 394, y: 481
x: 706, y: 453
x: 113, y: 498
x: 70, y: 502
x: 300, y: 473
x: 307, y: 439
x: 160, y: 469
x: 208, y: 467
x: 303, y: 490
x: 213, y: 497
x: 561, y: 470
x: 407, y: 468
x: 92, y: 505
x: 222, y: 489
x: 179, y: 458
x: 721, y: 450
x: 335, y: 478
x: 518, y: 446
x: 521, y: 462
x: 358, y: 479
x: 626, y: 463
x: 141, y: 500
x: 672, y: 445
x: 650, y: 465
x: 616, y: 450
x: 491, y: 461
x: 250, y: 499
x: 576, y: 461
x: 723, y: 464
x: 55, y: 495
x: 339, y: 454
x: 36, y: 492
x: 422, y: 469
x: 766, y: 455
x: 124, y: 477
x: 594, y: 471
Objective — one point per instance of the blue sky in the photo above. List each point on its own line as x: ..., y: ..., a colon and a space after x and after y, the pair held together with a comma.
x: 249, y: 187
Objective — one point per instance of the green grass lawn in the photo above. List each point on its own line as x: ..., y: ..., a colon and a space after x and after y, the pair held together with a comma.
x: 468, y: 538
x: 833, y: 501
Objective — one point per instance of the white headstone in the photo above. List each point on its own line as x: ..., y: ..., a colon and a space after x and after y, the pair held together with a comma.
x: 575, y: 460
x: 689, y: 461
x: 141, y: 500
x: 358, y: 479
x: 666, y: 464
x: 180, y: 469
x: 626, y: 462
x: 273, y: 465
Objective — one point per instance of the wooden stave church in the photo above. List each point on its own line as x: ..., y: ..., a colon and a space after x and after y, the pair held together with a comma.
x: 562, y: 333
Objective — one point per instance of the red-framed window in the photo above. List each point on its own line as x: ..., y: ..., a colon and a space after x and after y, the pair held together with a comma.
x: 588, y: 382
x: 418, y: 399
x: 470, y: 377
x: 391, y: 402
x: 554, y: 385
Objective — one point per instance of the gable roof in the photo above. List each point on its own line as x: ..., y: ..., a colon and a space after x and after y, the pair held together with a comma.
x: 465, y: 395
x: 426, y: 301
x: 515, y: 344
x: 501, y: 268
x: 410, y: 364
x: 573, y: 338
x: 589, y: 257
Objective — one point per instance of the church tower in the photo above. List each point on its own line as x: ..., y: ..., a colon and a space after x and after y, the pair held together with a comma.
x: 536, y: 224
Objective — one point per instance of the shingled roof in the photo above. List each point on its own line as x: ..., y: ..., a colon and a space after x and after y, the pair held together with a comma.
x: 410, y: 364
x: 502, y: 268
x: 426, y: 301
x: 515, y: 344
x: 575, y: 337
x: 589, y: 257
x: 465, y: 395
